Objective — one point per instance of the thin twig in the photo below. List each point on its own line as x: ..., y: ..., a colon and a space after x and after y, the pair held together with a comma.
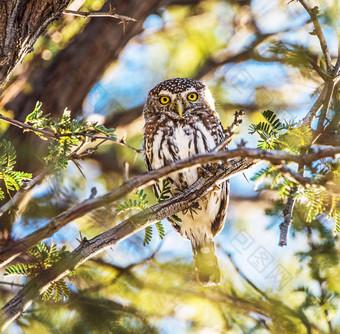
x: 229, y: 132
x: 325, y: 107
x: 277, y: 303
x: 313, y: 12
x: 309, y: 118
x: 53, y: 135
x: 337, y: 64
x: 110, y: 13
x: 27, y: 127
x: 318, y: 70
x: 15, y: 201
x: 288, y: 210
x: 12, y: 284
x: 287, y: 217
x: 95, y: 137
x: 262, y: 293
x: 306, y: 182
x: 121, y: 270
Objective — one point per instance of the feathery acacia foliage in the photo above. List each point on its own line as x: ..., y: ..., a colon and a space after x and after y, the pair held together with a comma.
x: 13, y: 180
x: 68, y: 134
x: 140, y: 204
x: 296, y: 139
x: 43, y: 257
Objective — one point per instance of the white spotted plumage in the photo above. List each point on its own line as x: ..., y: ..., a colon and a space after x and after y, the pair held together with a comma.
x: 171, y: 136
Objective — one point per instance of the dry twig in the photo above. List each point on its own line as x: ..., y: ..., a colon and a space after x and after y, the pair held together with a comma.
x: 52, y: 135
x: 313, y: 13
x: 229, y: 132
x: 15, y: 201
x: 287, y: 217
x: 110, y: 13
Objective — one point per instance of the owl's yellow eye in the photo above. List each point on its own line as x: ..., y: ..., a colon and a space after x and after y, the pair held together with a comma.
x: 192, y: 97
x: 164, y: 100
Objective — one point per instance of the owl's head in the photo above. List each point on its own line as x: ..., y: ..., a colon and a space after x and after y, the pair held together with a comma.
x: 178, y: 96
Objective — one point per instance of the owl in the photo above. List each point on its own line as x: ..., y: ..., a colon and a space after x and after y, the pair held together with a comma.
x: 181, y: 121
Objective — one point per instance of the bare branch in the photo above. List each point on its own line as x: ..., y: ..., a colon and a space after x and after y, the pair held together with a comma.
x: 110, y: 13
x: 246, y: 159
x: 15, y: 201
x: 257, y: 289
x: 325, y: 107
x: 307, y: 181
x: 309, y: 118
x: 288, y: 218
x: 288, y: 210
x: 337, y: 64
x: 119, y: 142
x: 318, y: 32
x: 230, y: 130
x: 101, y: 242
x: 11, y: 284
x: 26, y: 127
x: 52, y: 135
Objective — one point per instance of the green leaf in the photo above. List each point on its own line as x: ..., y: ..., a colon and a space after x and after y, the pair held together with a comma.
x: 165, y: 192
x: 13, y: 180
x: 18, y: 270
x: 160, y: 229
x: 147, y: 236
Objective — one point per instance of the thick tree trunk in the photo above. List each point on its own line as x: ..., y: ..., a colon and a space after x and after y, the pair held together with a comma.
x: 21, y: 23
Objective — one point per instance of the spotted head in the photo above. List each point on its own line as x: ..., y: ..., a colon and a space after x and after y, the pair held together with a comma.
x: 177, y: 98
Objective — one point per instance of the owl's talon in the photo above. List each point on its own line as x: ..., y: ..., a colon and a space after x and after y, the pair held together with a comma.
x: 192, y: 211
x: 176, y: 191
x: 200, y: 172
x: 185, y: 185
x: 196, y: 206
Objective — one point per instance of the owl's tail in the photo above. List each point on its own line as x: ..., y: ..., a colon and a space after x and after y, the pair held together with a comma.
x: 206, y: 264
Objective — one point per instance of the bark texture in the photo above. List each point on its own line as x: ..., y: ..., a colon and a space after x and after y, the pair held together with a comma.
x: 89, y: 248
x: 21, y: 23
x: 72, y: 73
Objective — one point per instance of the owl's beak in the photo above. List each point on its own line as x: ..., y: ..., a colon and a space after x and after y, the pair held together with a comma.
x: 180, y: 108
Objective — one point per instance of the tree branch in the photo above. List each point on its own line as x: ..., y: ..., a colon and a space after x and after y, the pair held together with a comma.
x: 309, y: 118
x: 26, y: 127
x: 313, y: 12
x: 307, y: 181
x: 325, y: 107
x: 337, y: 64
x: 245, y: 159
x: 52, y: 135
x: 229, y: 132
x: 288, y: 217
x: 110, y: 13
x: 15, y: 201
x: 89, y: 248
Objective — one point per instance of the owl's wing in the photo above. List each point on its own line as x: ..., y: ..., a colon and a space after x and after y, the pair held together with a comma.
x: 218, y: 223
x: 147, y: 159
x: 147, y: 155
